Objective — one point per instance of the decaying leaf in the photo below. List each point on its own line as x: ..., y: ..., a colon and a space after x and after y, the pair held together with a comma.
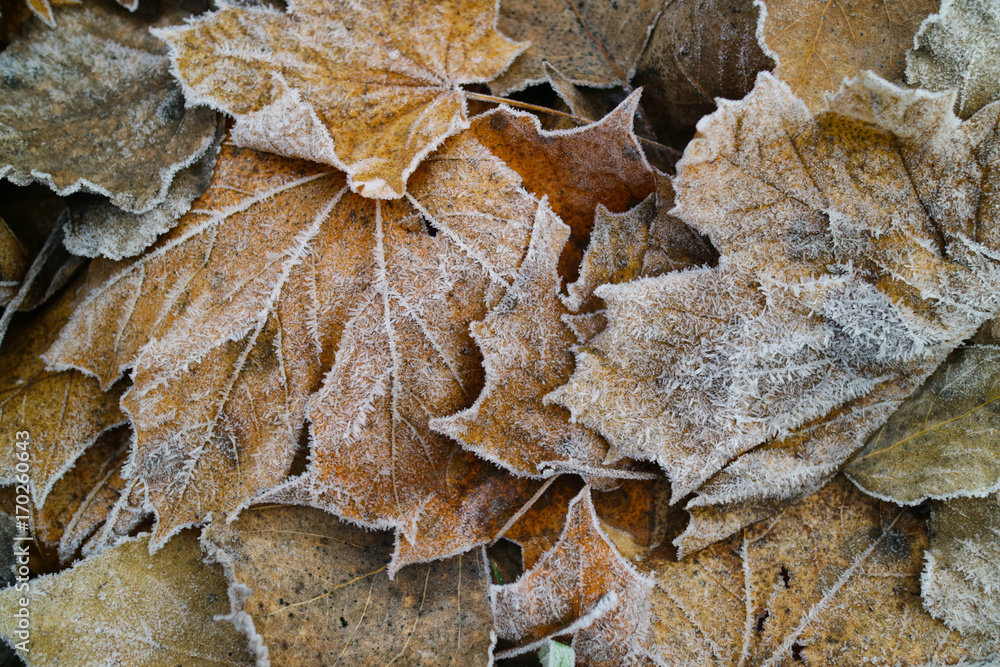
x: 816, y: 45
x: 537, y: 529
x: 847, y: 594
x: 54, y: 99
x: 14, y: 263
x: 699, y: 50
x: 956, y: 48
x: 316, y: 81
x: 577, y: 169
x: 943, y: 441
x: 127, y: 607
x: 64, y: 411
x: 961, y: 579
x: 82, y: 499
x: 857, y: 250
x: 583, y: 587
x: 590, y: 43
x: 526, y: 351
x: 280, y: 282
x: 309, y: 589
x: 98, y: 228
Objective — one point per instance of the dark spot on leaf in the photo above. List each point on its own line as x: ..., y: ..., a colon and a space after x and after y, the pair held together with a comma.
x: 797, y: 652
x: 785, y: 576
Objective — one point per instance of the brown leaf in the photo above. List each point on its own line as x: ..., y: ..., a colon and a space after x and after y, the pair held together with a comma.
x: 139, y: 609
x: 941, y: 442
x: 817, y: 45
x: 581, y: 586
x: 961, y: 574
x: 591, y: 43
x: 956, y: 48
x: 63, y: 411
x: 309, y: 589
x: 578, y: 169
x: 826, y: 292
x: 313, y: 82
x: 698, y: 51
x: 537, y: 529
x: 833, y: 580
x: 281, y: 282
x: 526, y: 354
x: 82, y: 499
x: 58, y: 129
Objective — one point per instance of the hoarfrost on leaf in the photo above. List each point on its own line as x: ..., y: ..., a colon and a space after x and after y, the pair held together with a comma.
x: 354, y: 86
x: 858, y: 248
x: 56, y: 126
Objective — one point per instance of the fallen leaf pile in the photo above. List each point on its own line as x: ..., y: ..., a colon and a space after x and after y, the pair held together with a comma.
x: 455, y: 332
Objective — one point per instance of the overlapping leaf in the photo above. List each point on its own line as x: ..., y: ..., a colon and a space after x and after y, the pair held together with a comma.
x: 54, y: 98
x: 282, y: 282
x: 847, y: 594
x: 129, y: 607
x: 857, y: 249
x: 371, y: 89
x: 816, y: 45
x: 961, y: 578
x: 956, y: 48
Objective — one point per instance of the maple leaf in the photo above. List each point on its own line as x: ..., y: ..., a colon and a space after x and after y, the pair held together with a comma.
x: 818, y: 45
x: 849, y: 593
x: 940, y: 442
x: 306, y: 587
x: 959, y: 583
x: 698, y: 52
x: 576, y: 169
x: 581, y: 586
x: 955, y: 48
x: 57, y: 127
x: 313, y: 82
x: 825, y: 293
x: 63, y: 411
x: 141, y: 609
x: 590, y: 43
x: 280, y: 283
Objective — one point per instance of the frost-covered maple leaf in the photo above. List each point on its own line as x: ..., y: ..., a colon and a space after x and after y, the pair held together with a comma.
x: 283, y: 295
x: 858, y: 248
x: 371, y: 88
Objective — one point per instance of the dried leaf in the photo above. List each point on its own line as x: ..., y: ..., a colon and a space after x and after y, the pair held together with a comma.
x: 817, y: 45
x: 127, y: 607
x: 826, y: 292
x: 600, y: 163
x: 960, y: 582
x: 83, y: 498
x: 537, y: 529
x: 956, y: 48
x: 309, y: 589
x: 581, y: 586
x: 526, y: 352
x: 313, y: 82
x: 281, y: 282
x: 591, y: 43
x: 57, y: 127
x: 96, y: 227
x: 64, y: 411
x: 698, y: 51
x: 942, y: 442
x: 847, y: 594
